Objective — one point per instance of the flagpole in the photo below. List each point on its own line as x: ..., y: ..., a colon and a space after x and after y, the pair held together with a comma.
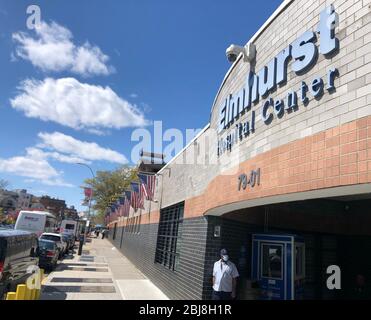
x: 86, y: 227
x: 149, y: 211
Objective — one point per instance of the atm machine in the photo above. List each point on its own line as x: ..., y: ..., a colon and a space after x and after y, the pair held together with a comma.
x: 278, y: 266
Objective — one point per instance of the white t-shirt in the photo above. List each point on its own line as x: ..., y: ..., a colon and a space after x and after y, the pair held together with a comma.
x: 224, y: 273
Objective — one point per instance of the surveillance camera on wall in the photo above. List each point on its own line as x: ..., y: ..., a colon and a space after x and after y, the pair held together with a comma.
x: 234, y: 50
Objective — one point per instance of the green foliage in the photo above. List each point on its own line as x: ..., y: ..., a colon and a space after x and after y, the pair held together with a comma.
x: 97, y: 219
x: 108, y: 186
x: 2, y: 215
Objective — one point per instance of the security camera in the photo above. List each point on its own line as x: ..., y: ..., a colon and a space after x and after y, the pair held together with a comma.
x: 248, y: 52
x: 233, y: 51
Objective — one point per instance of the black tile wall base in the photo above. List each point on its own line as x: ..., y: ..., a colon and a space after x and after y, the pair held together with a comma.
x: 199, y: 249
x: 184, y: 283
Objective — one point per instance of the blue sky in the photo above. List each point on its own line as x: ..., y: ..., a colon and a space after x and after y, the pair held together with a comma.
x: 97, y: 70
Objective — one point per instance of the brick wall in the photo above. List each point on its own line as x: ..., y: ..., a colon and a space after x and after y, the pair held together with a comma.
x: 335, y: 157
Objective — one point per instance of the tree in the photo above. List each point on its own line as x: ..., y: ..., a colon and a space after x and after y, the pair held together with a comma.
x: 97, y: 219
x: 108, y: 186
x: 2, y: 215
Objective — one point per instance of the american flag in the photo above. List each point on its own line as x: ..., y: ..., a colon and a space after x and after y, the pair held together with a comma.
x: 113, y: 211
x: 108, y: 214
x: 136, y: 196
x: 148, y: 182
x: 127, y: 200
x: 121, y: 204
x: 118, y: 206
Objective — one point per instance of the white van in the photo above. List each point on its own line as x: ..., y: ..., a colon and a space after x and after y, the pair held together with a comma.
x: 36, y: 221
x: 69, y: 226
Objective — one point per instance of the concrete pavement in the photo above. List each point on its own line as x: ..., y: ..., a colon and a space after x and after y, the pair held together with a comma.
x: 100, y: 273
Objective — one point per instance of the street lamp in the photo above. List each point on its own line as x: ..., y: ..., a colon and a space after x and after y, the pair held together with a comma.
x: 84, y: 164
x: 88, y: 218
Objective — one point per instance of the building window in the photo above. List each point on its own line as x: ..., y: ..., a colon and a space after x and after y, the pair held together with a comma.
x: 169, y: 236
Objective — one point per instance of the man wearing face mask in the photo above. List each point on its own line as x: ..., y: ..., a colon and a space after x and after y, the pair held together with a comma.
x: 224, y: 278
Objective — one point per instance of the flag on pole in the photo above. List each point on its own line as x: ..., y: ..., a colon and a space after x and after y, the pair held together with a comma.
x: 121, y: 202
x: 148, y: 182
x: 133, y: 200
x: 141, y: 196
x: 127, y: 201
x: 117, y: 211
x: 113, y: 211
x: 88, y: 192
x: 136, y: 195
x: 107, y: 216
x: 108, y: 213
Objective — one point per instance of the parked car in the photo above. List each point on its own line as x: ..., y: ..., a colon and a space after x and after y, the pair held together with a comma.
x: 48, y: 254
x: 58, y: 239
x: 18, y: 254
x: 70, y: 239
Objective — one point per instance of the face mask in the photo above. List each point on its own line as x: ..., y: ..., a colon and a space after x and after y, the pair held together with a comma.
x: 225, y: 258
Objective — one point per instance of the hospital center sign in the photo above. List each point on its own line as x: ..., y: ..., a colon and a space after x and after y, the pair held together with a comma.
x: 304, y: 53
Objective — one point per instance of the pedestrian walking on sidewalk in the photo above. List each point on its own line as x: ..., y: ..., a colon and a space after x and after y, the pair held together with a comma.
x: 104, y: 232
x: 225, y: 276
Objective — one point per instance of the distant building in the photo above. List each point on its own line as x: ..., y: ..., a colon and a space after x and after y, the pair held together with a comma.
x: 54, y: 206
x: 24, y: 200
x: 71, y: 213
x: 8, y: 200
x: 35, y: 204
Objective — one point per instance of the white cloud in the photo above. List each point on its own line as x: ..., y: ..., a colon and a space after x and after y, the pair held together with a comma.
x: 34, y: 167
x: 89, y: 151
x: 99, y: 132
x: 52, y: 49
x: 56, y: 146
x: 41, y: 154
x: 77, y: 105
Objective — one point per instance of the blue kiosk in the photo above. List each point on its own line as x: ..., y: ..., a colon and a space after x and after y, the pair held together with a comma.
x: 278, y: 266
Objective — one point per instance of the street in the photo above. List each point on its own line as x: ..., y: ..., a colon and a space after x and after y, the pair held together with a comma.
x: 100, y: 273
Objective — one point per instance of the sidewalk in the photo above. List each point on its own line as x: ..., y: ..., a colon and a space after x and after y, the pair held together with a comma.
x: 100, y: 273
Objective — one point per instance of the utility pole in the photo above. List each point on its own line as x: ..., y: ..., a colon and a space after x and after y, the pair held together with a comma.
x: 89, y: 206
